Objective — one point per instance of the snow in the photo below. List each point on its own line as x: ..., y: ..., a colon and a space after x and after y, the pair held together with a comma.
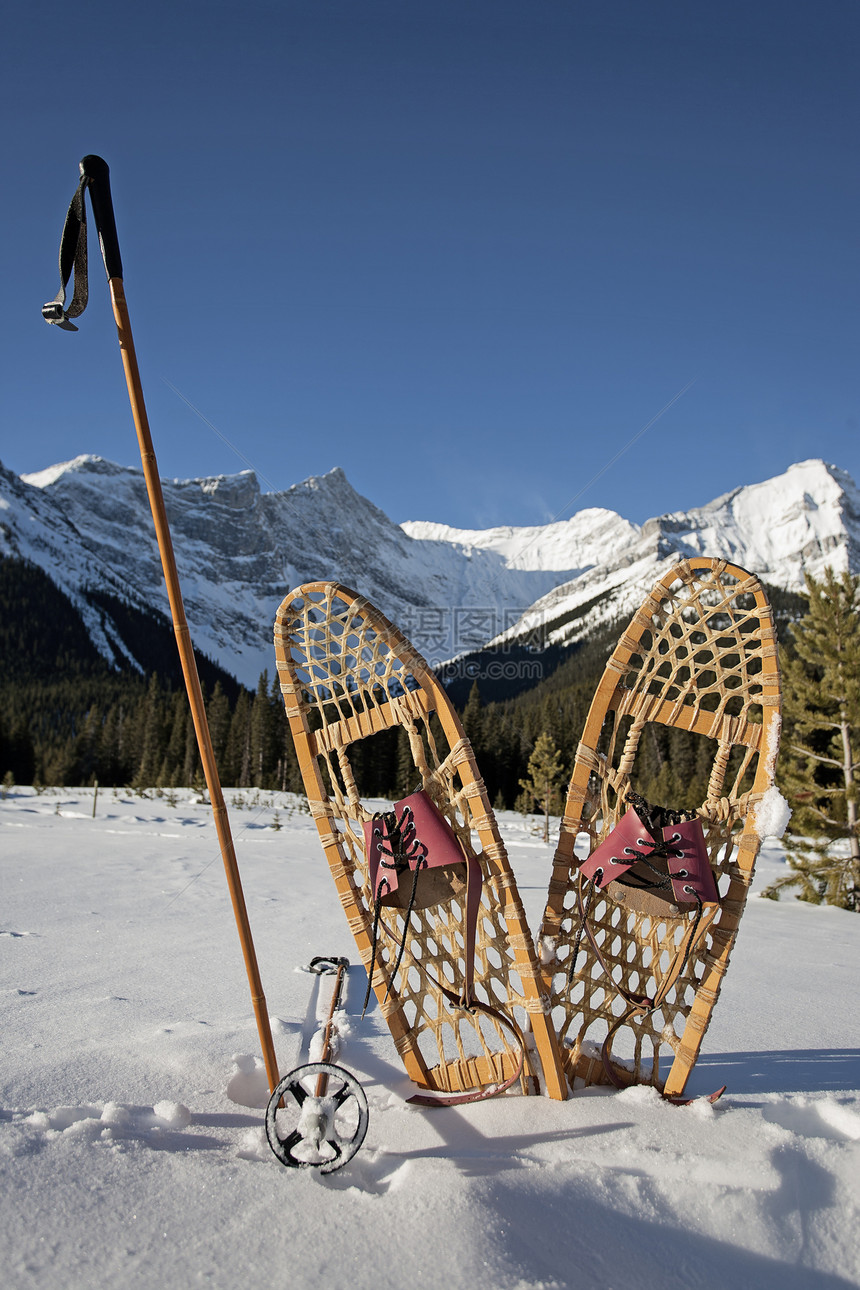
x: 772, y: 814
x: 800, y: 522
x: 579, y: 542
x: 132, y: 1146
x: 239, y: 551
x: 50, y: 475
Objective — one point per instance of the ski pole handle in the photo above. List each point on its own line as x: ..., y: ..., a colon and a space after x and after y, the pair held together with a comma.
x: 97, y: 174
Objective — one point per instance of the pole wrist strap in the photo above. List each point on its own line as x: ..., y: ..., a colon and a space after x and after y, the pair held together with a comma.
x: 73, y: 260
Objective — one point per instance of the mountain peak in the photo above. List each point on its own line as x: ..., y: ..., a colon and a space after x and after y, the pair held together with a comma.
x: 233, y: 491
x: 334, y: 489
x: 84, y: 463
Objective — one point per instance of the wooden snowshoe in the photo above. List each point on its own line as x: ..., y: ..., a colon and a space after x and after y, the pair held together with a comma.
x: 634, y: 964
x: 467, y: 1025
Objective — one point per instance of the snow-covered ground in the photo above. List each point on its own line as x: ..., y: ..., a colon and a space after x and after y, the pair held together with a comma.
x: 131, y: 1144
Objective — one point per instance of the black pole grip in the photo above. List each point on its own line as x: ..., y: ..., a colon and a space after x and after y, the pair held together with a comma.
x: 97, y: 174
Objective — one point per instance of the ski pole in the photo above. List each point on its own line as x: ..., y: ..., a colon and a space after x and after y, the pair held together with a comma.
x: 317, y: 1116
x: 95, y: 177
x: 320, y: 965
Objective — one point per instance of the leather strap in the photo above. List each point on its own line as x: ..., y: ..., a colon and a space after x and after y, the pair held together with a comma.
x: 639, y: 1001
x: 480, y: 1095
x: 444, y: 848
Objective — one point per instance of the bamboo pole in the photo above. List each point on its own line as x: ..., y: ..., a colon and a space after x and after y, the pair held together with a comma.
x: 189, y: 671
x: 96, y: 172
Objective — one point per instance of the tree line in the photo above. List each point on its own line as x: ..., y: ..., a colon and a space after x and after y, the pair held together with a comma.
x: 67, y: 717
x: 130, y: 730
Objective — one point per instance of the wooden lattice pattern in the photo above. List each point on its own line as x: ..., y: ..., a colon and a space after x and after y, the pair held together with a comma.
x: 347, y: 673
x: 700, y: 655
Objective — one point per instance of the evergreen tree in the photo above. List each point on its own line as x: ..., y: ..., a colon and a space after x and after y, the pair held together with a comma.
x: 152, y: 740
x: 237, y: 760
x: 21, y: 755
x: 546, y: 774
x: 173, y: 763
x: 114, y: 767
x: 191, y: 771
x: 218, y: 715
x: 408, y: 777
x: 821, y: 746
x: 287, y: 776
x: 88, y: 748
x: 263, y: 732
x: 473, y: 720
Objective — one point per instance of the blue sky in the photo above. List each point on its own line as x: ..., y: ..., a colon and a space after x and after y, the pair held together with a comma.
x: 465, y: 250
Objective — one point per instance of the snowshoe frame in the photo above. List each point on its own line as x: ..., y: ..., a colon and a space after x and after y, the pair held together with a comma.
x: 699, y: 655
x: 347, y: 673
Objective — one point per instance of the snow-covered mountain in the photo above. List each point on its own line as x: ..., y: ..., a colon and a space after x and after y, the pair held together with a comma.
x: 799, y: 522
x: 87, y: 524
x: 239, y: 551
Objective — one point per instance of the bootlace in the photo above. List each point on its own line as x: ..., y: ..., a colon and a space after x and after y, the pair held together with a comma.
x: 398, y: 845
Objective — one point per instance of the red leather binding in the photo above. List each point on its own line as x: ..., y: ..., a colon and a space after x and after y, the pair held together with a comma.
x: 428, y: 842
x: 631, y: 841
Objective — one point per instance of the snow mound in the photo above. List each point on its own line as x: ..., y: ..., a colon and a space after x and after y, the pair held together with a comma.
x: 772, y: 814
x: 249, y: 1085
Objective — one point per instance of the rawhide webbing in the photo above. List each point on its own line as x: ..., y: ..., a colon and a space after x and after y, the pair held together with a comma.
x: 670, y: 836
